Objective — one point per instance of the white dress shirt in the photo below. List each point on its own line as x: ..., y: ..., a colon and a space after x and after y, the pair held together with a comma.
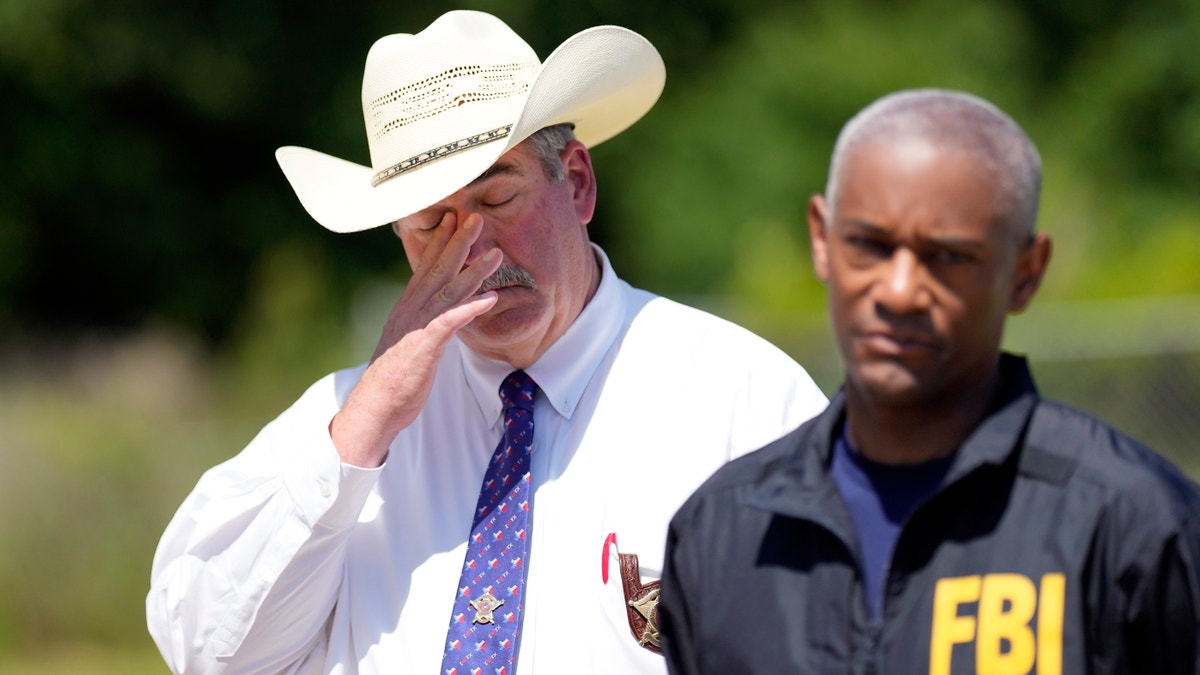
x: 285, y: 560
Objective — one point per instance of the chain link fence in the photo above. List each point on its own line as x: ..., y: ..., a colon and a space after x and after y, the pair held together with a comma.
x: 1133, y: 363
x: 1154, y: 398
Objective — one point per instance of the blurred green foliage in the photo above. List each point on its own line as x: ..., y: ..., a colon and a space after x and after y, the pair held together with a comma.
x: 140, y: 182
x: 162, y: 293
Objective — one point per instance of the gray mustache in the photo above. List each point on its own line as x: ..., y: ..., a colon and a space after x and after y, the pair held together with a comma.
x: 508, y: 275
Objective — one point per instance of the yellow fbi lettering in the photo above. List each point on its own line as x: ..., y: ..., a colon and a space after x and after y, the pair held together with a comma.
x: 1001, y: 628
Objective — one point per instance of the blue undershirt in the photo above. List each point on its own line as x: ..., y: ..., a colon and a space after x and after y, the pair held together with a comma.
x: 880, y: 497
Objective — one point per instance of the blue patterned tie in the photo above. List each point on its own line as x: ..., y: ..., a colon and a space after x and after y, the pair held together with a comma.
x: 485, y: 627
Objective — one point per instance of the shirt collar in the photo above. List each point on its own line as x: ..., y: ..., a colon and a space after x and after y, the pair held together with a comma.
x: 564, y: 370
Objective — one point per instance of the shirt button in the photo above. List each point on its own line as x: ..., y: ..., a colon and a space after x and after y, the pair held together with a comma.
x: 324, y: 488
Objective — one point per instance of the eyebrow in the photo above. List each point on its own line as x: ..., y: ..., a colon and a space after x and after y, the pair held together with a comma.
x: 951, y: 242
x: 500, y: 168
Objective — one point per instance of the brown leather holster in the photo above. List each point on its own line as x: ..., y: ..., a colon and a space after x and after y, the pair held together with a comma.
x: 641, y: 603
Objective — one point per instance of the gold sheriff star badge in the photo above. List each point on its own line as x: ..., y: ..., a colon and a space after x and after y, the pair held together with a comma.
x: 647, y: 606
x: 484, y: 605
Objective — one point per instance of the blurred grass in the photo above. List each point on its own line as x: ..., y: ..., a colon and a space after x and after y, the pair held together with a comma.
x: 97, y: 442
x: 86, y: 658
x: 101, y: 438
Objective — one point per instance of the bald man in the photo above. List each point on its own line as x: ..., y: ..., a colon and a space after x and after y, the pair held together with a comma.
x: 940, y: 517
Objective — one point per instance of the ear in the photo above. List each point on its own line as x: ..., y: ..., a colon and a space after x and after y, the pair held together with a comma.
x: 818, y: 219
x: 1031, y: 267
x: 579, y: 176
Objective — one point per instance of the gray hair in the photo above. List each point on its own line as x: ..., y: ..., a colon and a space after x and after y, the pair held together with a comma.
x: 954, y: 120
x: 547, y: 143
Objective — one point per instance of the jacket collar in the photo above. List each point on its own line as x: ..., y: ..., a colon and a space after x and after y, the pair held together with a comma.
x: 799, y: 485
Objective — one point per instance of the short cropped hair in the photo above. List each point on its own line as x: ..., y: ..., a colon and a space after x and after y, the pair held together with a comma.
x: 955, y: 120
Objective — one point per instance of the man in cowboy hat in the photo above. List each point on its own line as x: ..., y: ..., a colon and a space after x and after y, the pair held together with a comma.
x: 939, y: 517
x: 376, y: 526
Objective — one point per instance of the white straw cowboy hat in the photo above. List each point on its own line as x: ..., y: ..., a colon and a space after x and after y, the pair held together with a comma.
x: 443, y: 104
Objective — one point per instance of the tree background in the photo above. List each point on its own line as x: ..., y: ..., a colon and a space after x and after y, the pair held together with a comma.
x: 163, y: 294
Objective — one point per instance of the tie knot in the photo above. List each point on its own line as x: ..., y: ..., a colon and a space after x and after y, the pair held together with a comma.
x: 517, y: 390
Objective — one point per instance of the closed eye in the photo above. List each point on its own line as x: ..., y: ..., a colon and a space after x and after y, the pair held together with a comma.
x: 496, y: 203
x: 500, y: 191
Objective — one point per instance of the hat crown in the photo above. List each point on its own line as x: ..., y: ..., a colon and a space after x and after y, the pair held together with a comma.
x: 465, y: 75
x: 442, y: 105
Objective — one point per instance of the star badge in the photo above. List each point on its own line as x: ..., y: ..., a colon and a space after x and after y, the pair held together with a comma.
x: 647, y: 606
x: 484, y: 605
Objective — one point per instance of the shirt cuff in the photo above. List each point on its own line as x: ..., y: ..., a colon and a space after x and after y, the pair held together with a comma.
x: 327, y: 491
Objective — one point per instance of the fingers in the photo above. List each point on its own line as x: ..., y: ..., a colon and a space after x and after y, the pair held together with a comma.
x: 433, y: 260
x: 440, y: 297
x: 439, y: 300
x: 441, y: 273
x: 464, y: 313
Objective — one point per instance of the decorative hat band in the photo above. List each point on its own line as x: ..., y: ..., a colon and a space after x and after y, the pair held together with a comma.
x: 439, y: 152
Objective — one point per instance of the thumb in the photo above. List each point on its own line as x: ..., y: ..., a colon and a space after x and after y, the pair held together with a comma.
x: 454, y: 319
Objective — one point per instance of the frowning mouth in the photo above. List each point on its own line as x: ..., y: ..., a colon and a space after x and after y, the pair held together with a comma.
x: 897, y: 343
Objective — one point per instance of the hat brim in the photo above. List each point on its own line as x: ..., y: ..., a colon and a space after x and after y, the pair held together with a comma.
x: 602, y: 80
